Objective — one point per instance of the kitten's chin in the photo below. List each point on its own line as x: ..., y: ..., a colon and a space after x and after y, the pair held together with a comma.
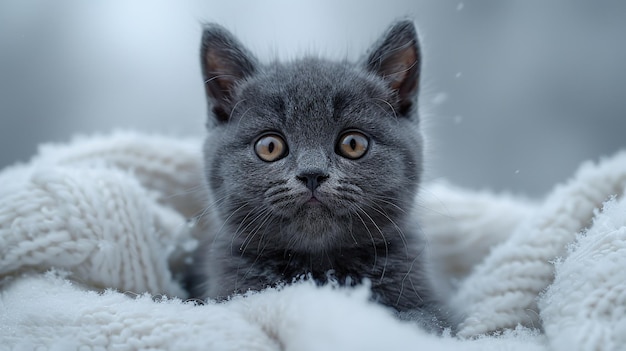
x: 314, y: 227
x: 314, y: 217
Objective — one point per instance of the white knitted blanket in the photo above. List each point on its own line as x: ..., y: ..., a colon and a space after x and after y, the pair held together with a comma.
x: 93, y: 235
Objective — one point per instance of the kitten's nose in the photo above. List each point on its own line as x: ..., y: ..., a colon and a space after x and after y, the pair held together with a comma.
x: 312, y: 179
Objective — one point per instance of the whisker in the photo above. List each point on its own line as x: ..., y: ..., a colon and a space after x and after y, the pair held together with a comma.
x: 242, y: 116
x: 218, y: 76
x: 265, y: 214
x: 370, y: 234
x: 415, y: 289
x: 408, y: 275
x: 384, y: 240
x: 427, y: 192
x: 258, y: 212
x: 398, y: 229
x: 185, y: 192
x: 260, y: 249
x: 230, y: 117
x: 395, y: 115
x: 385, y: 200
x: 356, y: 242
x: 219, y: 231
x: 210, y: 206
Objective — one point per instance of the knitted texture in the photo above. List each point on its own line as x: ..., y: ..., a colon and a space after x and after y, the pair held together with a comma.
x: 107, y: 208
x: 94, y: 233
x: 502, y: 290
x: 591, y: 278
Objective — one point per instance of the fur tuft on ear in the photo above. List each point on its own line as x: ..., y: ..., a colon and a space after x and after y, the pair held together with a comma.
x: 396, y: 58
x: 225, y: 63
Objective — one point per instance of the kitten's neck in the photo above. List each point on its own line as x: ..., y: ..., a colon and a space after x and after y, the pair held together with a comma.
x: 365, y: 261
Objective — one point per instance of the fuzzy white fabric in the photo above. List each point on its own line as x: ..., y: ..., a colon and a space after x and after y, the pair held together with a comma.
x: 93, y: 235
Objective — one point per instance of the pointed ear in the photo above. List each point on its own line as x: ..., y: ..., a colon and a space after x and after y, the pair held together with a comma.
x: 225, y: 63
x: 396, y: 58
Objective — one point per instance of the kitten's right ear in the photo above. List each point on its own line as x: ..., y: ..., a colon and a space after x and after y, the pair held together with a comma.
x: 225, y: 63
x: 396, y: 58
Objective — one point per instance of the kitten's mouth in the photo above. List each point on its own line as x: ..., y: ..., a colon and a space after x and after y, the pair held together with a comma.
x: 313, y: 200
x: 313, y: 204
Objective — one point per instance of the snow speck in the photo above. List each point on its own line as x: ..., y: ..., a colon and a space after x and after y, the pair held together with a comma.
x: 517, y: 171
x: 440, y: 98
x: 460, y: 6
x: 458, y: 119
x: 458, y: 75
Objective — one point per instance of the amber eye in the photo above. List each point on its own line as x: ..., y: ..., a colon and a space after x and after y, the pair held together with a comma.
x: 270, y: 148
x: 352, y: 145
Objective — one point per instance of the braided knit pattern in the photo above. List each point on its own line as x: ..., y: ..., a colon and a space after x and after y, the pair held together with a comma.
x: 106, y: 208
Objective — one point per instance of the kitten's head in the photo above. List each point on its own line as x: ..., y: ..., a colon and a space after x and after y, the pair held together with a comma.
x: 312, y: 155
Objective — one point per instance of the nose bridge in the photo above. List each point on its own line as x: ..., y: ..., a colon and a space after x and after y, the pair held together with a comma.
x: 312, y: 160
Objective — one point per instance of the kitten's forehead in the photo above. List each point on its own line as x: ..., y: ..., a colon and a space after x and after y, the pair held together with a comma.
x: 316, y: 80
x: 314, y: 90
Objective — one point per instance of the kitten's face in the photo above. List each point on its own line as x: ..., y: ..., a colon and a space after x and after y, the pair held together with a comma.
x: 311, y: 156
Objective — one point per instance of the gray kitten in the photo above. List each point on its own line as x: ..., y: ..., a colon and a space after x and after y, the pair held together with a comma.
x: 313, y: 167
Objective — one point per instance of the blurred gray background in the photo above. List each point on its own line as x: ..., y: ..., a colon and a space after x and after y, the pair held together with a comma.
x: 515, y: 94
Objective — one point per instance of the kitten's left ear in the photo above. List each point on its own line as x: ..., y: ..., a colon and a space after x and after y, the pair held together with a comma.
x: 396, y: 58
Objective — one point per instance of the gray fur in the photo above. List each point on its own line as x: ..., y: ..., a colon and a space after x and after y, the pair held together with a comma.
x: 267, y: 233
